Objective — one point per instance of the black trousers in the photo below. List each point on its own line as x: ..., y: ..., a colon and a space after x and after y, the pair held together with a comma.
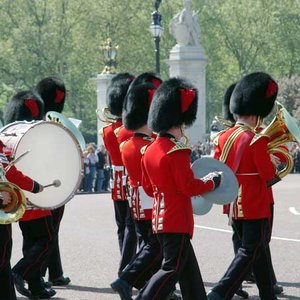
x: 37, y: 244
x: 54, y: 262
x: 250, y: 255
x: 7, y: 290
x: 126, y: 233
x: 148, y: 259
x: 237, y: 244
x: 179, y: 265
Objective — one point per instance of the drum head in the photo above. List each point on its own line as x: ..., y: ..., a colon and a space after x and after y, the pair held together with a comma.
x: 201, y: 206
x: 54, y: 154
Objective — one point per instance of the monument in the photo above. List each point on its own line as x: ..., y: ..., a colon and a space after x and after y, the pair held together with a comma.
x: 187, y: 59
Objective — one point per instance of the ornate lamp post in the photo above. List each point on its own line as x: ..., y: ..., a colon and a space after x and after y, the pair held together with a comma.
x: 110, y: 54
x: 156, y: 30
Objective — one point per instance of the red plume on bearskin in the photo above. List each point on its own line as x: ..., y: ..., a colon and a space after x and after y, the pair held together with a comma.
x: 254, y: 94
x: 33, y: 107
x: 272, y: 89
x: 53, y: 92
x: 174, y: 103
x: 187, y: 97
x: 24, y: 106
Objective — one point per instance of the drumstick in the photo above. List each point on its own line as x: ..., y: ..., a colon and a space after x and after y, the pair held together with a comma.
x: 55, y: 183
x: 16, y: 160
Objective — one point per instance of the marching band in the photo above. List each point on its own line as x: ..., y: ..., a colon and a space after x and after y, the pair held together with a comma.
x: 152, y: 186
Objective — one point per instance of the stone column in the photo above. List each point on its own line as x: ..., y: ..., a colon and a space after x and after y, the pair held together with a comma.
x: 190, y: 62
x: 102, y: 81
x: 187, y: 59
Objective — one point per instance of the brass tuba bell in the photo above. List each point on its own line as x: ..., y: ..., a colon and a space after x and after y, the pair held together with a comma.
x: 282, y: 129
x: 13, y: 211
x: 105, y: 116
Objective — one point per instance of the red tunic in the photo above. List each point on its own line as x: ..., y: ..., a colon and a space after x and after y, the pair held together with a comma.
x: 111, y: 143
x: 26, y: 183
x: 167, y: 171
x: 253, y: 171
x: 131, y: 156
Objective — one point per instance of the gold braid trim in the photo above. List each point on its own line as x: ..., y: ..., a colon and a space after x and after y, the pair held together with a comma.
x: 143, y: 149
x: 178, y: 146
x: 117, y: 130
x: 228, y: 144
x: 257, y: 137
x: 122, y: 145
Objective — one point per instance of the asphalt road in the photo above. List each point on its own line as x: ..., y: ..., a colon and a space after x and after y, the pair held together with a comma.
x: 90, y: 254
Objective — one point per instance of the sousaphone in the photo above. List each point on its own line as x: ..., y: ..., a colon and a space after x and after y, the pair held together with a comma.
x: 224, y: 194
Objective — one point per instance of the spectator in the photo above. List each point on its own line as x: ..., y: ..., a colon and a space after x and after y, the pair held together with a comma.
x: 93, y: 160
x: 100, y: 169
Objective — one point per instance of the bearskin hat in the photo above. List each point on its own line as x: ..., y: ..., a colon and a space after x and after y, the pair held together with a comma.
x: 117, y: 91
x: 24, y: 106
x: 226, y: 101
x: 137, y: 104
x: 174, y: 103
x: 254, y: 94
x: 53, y: 92
x: 146, y: 77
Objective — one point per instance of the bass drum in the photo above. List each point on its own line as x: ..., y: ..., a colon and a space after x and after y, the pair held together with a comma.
x: 54, y: 153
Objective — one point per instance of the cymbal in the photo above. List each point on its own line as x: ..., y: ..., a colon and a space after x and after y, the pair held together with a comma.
x: 228, y: 190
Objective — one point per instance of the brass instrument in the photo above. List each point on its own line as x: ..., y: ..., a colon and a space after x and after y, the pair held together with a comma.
x: 105, y: 116
x: 282, y: 129
x: 224, y: 122
x: 13, y: 211
x: 54, y: 116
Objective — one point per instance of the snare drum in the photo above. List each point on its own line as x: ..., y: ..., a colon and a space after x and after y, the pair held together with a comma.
x: 54, y: 153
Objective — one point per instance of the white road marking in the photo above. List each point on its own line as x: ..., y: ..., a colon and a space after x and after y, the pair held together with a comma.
x: 230, y: 231
x: 294, y: 211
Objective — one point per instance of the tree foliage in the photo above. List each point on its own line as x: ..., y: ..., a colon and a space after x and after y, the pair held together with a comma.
x: 63, y: 37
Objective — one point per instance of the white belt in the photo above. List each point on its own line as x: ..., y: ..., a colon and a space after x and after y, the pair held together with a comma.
x: 117, y: 168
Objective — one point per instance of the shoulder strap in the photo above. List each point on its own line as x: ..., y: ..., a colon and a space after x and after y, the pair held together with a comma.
x: 228, y: 145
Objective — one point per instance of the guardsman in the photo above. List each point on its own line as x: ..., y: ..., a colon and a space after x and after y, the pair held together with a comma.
x: 135, y: 116
x: 246, y: 153
x: 52, y: 90
x: 167, y: 175
x: 116, y: 93
x: 7, y: 291
x: 36, y: 224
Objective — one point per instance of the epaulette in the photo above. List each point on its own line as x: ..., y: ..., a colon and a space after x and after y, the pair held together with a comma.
x: 143, y: 149
x: 117, y: 130
x: 178, y: 146
x: 215, y: 139
x: 101, y: 130
x: 122, y: 145
x: 256, y: 137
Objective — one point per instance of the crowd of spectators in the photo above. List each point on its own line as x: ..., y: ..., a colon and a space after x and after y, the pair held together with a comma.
x: 97, y: 167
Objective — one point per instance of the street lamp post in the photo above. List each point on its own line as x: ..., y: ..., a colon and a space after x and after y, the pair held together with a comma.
x: 156, y: 30
x: 110, y: 54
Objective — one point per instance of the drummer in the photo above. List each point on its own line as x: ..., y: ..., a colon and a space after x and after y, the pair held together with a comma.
x: 36, y: 224
x: 7, y: 290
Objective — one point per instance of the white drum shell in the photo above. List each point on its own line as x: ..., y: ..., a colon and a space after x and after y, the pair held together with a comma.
x: 54, y: 154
